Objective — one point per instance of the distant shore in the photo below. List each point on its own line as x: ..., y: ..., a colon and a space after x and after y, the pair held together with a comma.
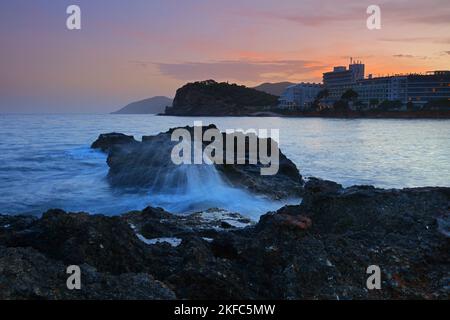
x: 424, y: 114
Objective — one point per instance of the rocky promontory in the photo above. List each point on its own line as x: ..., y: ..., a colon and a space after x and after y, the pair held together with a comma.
x: 148, y: 164
x: 211, y: 98
x: 317, y: 250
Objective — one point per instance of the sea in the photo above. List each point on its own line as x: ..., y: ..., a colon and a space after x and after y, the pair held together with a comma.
x: 46, y: 161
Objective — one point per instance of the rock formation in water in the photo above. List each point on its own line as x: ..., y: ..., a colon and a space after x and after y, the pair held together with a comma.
x: 318, y: 250
x: 108, y: 140
x: 210, y: 98
x: 148, y: 164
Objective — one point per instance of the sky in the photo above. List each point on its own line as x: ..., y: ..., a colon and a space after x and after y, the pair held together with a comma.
x: 131, y: 50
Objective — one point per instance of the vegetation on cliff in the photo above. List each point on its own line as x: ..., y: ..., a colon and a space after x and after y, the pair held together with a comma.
x: 217, y: 99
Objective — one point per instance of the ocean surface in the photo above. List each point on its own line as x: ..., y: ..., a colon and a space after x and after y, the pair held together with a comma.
x: 46, y: 162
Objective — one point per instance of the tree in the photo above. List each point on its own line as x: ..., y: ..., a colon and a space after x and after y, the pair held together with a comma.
x: 374, y: 102
x: 387, y: 105
x: 325, y: 93
x: 350, y: 94
x: 441, y: 104
x: 341, y: 105
x: 410, y: 106
x: 322, y: 94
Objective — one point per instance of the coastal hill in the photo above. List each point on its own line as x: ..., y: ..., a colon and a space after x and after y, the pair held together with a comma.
x: 148, y: 106
x: 211, y: 98
x: 276, y: 89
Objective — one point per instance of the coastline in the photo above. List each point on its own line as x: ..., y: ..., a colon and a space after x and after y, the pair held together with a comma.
x: 319, y: 249
x: 439, y: 115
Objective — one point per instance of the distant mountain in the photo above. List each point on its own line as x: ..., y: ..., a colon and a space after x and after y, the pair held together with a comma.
x: 148, y: 106
x: 273, y: 88
x: 211, y: 98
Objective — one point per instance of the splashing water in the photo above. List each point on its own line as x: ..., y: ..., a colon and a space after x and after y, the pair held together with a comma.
x: 202, y: 187
x: 182, y: 188
x: 45, y: 160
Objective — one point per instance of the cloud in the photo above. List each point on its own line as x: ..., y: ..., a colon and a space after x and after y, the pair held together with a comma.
x: 241, y: 70
x: 310, y: 13
x: 442, y: 18
x: 431, y: 12
x: 309, y: 18
x: 417, y: 39
x: 409, y: 56
x: 138, y: 63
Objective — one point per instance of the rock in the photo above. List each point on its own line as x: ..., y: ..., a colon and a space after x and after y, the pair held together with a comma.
x: 317, y: 250
x: 108, y: 243
x: 210, y: 98
x: 300, y: 222
x: 148, y: 165
x: 27, y: 274
x: 107, y: 141
x: 315, y: 186
x: 156, y: 223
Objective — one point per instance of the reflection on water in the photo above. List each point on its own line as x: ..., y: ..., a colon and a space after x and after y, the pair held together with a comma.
x: 45, y: 160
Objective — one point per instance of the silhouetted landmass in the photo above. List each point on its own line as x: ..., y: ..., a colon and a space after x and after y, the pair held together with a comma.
x: 211, y: 98
x: 148, y: 106
x: 276, y: 89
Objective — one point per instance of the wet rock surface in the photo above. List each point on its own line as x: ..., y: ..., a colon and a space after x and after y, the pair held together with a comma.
x: 318, y: 250
x: 148, y: 164
x: 28, y: 274
x: 107, y: 141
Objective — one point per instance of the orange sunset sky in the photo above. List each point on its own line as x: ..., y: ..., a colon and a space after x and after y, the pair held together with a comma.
x: 130, y: 50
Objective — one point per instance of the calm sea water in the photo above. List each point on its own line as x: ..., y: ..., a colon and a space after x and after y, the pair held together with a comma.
x: 45, y: 160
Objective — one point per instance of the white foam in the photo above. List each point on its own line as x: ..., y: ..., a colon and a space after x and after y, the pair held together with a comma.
x: 174, y: 242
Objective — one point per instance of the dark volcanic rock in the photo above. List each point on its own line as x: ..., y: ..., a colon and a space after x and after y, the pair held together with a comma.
x: 107, y: 141
x: 318, y: 250
x: 157, y: 223
x: 28, y: 274
x: 108, y: 243
x: 148, y: 164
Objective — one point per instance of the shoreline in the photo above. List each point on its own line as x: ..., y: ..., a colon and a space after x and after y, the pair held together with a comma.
x: 319, y: 249
x: 426, y: 115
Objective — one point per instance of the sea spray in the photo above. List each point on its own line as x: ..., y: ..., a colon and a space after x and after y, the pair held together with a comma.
x: 183, y: 188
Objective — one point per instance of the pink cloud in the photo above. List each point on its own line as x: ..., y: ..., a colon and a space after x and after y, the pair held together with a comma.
x: 241, y: 70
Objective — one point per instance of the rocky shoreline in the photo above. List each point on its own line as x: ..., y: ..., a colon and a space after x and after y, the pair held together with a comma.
x: 146, y: 164
x: 319, y: 249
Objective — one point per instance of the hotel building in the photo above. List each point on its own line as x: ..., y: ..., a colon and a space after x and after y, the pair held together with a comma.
x: 299, y: 96
x: 415, y: 88
x: 431, y: 87
x: 341, y: 79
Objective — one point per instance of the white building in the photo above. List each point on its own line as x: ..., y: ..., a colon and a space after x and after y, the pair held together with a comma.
x: 299, y: 96
x: 341, y: 79
x: 392, y: 88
